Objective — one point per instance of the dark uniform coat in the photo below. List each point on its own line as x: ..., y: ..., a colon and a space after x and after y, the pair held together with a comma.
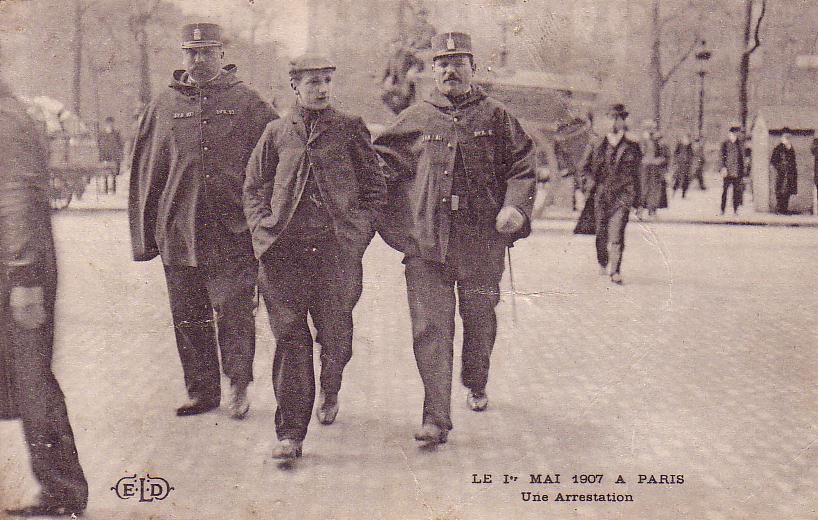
x: 26, y: 246
x: 786, y: 178
x: 420, y: 148
x: 339, y: 154
x: 189, y: 157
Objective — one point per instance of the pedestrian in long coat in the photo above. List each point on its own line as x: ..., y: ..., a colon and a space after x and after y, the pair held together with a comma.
x: 185, y: 206
x: 653, y: 170
x: 682, y: 164
x: 461, y: 190
x: 786, y: 172
x: 28, y: 287
x: 613, y: 170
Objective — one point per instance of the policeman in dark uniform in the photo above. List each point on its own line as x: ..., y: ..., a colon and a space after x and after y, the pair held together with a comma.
x: 462, y: 187
x: 28, y: 286
x: 190, y: 153
x: 313, y: 191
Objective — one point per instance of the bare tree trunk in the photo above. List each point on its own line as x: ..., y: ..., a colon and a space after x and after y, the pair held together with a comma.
x: 744, y: 64
x: 655, y: 68
x: 78, y: 37
x: 144, y: 66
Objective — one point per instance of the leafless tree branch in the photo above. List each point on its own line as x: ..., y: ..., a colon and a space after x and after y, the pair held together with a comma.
x: 756, y: 39
x: 666, y: 77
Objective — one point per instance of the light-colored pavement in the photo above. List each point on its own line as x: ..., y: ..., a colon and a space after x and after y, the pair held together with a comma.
x: 699, y: 207
x: 703, y: 365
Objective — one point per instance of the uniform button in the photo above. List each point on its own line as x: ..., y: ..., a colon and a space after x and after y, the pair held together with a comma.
x: 444, y: 199
x: 450, y: 145
x: 207, y: 176
x: 204, y: 121
x: 206, y: 148
x: 205, y: 98
x: 456, y: 119
x: 445, y: 172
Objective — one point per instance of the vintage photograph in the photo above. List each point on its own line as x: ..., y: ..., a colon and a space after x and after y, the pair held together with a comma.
x: 352, y: 259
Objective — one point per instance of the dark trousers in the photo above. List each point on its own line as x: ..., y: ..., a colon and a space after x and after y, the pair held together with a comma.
x: 698, y: 175
x: 735, y: 182
x: 682, y: 180
x: 212, y: 310
x: 474, y: 267
x: 611, y: 219
x: 40, y: 404
x: 782, y: 203
x: 318, y: 279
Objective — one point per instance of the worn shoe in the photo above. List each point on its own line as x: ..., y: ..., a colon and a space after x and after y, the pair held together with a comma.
x: 327, y: 408
x: 287, y: 449
x: 239, y: 404
x: 431, y: 434
x: 197, y: 405
x: 46, y: 509
x: 477, y: 401
x: 616, y: 278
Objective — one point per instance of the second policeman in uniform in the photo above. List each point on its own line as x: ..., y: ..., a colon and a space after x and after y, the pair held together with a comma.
x: 462, y: 187
x: 313, y: 193
x: 189, y: 156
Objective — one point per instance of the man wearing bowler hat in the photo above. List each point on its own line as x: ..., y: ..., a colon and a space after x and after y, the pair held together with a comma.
x: 613, y: 170
x: 313, y: 192
x: 462, y: 187
x: 189, y: 157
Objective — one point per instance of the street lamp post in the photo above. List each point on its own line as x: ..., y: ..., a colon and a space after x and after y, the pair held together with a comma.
x: 702, y: 56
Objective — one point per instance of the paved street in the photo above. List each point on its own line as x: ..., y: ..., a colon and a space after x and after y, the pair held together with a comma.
x: 703, y: 365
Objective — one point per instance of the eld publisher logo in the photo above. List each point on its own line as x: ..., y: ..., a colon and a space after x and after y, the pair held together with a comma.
x: 146, y: 488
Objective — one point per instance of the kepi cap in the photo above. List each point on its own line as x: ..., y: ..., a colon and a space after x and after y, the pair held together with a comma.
x: 310, y: 61
x: 450, y: 43
x: 197, y: 35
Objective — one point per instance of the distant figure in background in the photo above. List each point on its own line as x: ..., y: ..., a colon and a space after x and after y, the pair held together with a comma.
x: 698, y: 163
x: 683, y: 162
x: 786, y: 172
x: 109, y: 142
x: 28, y: 287
x: 613, y: 171
x: 398, y: 82
x: 421, y: 31
x: 814, y: 150
x: 654, y: 166
x: 732, y: 168
x: 571, y: 149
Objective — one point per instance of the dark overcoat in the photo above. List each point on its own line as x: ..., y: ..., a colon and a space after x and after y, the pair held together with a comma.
x: 786, y: 178
x: 420, y: 151
x: 26, y: 245
x: 339, y: 153
x: 189, y: 158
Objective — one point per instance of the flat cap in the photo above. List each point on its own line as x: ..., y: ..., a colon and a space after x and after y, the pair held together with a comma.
x: 447, y: 44
x: 310, y: 61
x: 196, y: 35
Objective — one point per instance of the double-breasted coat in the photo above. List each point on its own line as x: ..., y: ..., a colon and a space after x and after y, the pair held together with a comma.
x: 189, y: 158
x: 420, y: 149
